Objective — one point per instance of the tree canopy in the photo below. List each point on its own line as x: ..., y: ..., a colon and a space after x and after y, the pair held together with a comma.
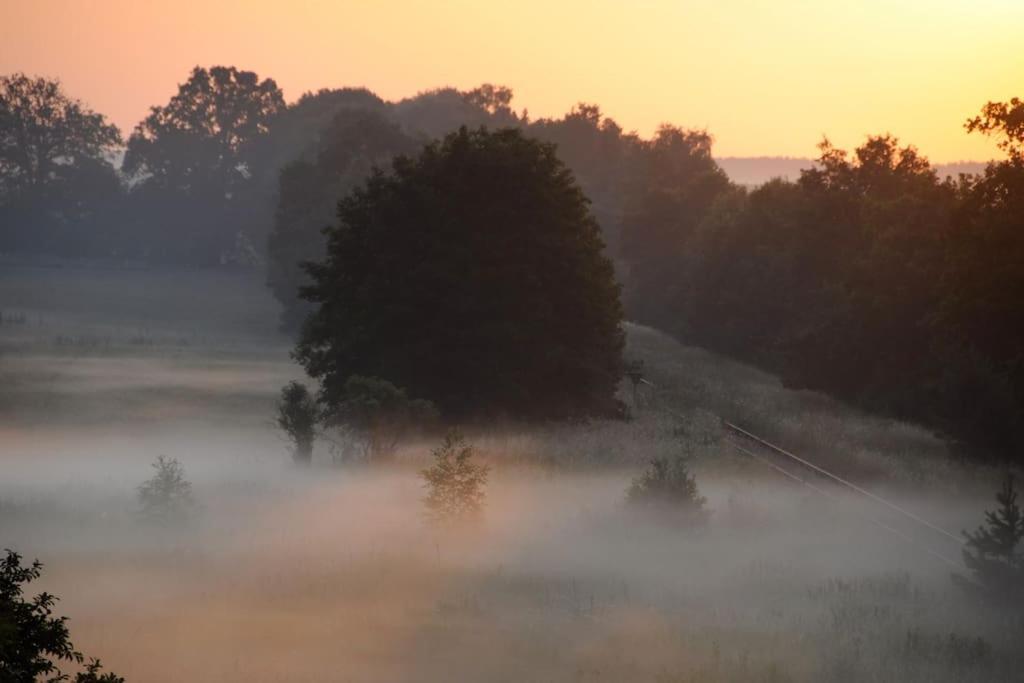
x: 197, y: 139
x: 472, y: 275
x: 56, y: 175
x: 869, y: 278
x: 191, y: 158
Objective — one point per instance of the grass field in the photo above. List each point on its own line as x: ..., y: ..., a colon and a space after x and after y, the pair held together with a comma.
x: 332, y: 574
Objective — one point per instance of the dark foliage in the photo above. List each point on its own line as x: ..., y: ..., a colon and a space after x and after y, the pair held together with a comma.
x: 34, y: 642
x: 297, y: 416
x: 379, y: 414
x: 994, y: 553
x: 472, y: 275
x: 167, y: 495
x: 190, y: 158
x: 353, y: 144
x: 869, y: 278
x: 58, y: 188
x: 669, y: 486
x: 676, y: 184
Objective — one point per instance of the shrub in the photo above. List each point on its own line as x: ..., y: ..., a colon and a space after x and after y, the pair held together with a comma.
x: 667, y: 483
x: 32, y: 640
x: 167, y: 494
x: 297, y: 416
x: 455, y: 484
x: 993, y: 552
x: 380, y: 414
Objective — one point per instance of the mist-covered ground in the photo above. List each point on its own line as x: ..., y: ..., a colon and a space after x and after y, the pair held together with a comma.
x: 332, y: 574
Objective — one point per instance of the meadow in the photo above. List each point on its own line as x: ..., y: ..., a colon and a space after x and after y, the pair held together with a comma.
x: 332, y: 573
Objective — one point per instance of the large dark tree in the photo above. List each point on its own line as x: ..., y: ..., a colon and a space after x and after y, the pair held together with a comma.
x: 191, y: 155
x: 473, y: 276
x: 56, y: 177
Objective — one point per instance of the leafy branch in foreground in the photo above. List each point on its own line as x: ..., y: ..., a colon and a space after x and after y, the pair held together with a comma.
x: 32, y: 639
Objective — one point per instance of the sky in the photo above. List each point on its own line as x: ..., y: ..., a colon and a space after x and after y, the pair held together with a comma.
x: 764, y: 77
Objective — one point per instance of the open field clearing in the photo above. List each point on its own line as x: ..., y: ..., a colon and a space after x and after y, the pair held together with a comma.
x: 332, y: 573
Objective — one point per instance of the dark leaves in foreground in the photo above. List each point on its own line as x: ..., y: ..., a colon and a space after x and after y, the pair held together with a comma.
x: 32, y: 640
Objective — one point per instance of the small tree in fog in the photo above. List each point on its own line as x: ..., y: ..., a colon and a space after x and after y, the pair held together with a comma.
x: 32, y: 640
x: 668, y: 483
x: 167, y: 494
x: 455, y: 484
x: 379, y: 414
x: 994, y: 554
x: 297, y: 417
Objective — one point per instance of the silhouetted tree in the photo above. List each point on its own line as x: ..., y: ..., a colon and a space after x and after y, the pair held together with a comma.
x: 994, y: 553
x: 297, y: 416
x: 33, y: 642
x: 981, y: 316
x: 56, y: 180
x: 191, y: 155
x: 436, y: 113
x: 496, y: 100
x: 472, y: 275
x: 1005, y: 120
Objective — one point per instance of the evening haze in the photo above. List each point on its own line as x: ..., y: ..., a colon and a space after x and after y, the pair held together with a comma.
x: 765, y: 78
x: 572, y: 341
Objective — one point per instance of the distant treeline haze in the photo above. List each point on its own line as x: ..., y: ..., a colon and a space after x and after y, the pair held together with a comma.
x: 870, y: 276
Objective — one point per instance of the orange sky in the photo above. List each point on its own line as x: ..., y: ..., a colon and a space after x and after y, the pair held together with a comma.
x: 766, y: 77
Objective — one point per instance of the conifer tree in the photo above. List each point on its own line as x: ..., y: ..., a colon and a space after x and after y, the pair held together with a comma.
x: 994, y: 554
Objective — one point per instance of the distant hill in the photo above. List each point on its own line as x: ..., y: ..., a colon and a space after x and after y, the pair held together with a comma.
x: 759, y: 170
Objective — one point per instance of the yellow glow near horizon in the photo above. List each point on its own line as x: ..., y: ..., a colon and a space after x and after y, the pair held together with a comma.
x: 764, y: 77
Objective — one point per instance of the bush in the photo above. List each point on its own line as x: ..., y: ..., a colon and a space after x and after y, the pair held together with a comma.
x: 379, y: 414
x: 455, y: 484
x: 297, y: 416
x: 167, y: 494
x: 32, y: 640
x: 668, y: 484
x: 993, y: 552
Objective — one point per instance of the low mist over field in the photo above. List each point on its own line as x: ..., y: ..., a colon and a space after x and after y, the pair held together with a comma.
x: 567, y: 342
x: 285, y: 574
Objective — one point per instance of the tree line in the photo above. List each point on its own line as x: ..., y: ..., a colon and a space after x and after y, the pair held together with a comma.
x: 870, y: 277
x: 198, y: 180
